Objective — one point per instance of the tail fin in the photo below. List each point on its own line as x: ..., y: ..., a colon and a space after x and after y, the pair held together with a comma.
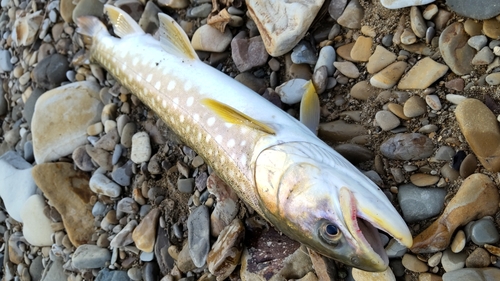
x: 89, y: 26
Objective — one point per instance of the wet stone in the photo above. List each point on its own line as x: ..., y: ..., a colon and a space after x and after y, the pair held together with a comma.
x: 419, y: 204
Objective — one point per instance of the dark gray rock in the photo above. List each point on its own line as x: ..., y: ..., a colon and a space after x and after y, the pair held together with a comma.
x: 419, y: 203
x: 51, y: 71
x: 478, y: 9
x: 29, y: 106
x: 108, y: 275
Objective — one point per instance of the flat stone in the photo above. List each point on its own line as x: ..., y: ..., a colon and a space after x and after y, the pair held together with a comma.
x: 88, y: 8
x: 112, y: 275
x: 453, y: 261
x: 339, y: 131
x: 352, y: 16
x: 362, y: 49
x: 480, y: 128
x: 389, y: 76
x: 90, y: 256
x: 412, y: 263
x: 199, y: 235
x: 477, y: 42
x: 491, y: 28
x: 68, y: 191
x: 476, y: 10
x: 347, y: 68
x: 281, y: 34
x: 209, y: 39
x: 417, y: 22
x: 363, y: 90
x: 466, y: 274
x: 37, y: 227
x: 303, y: 53
x: 476, y: 198
x: 421, y: 179
x: 380, y: 59
x: 50, y: 72
x: 478, y: 258
x: 422, y: 74
x: 419, y: 204
x: 144, y: 234
x: 227, y: 204
x: 397, y: 109
x: 102, y: 185
x: 61, y: 119
x: 454, y: 49
x: 468, y: 166
x: 484, y: 57
x: 16, y: 183
x: 5, y: 64
x: 326, y: 58
x: 414, y: 107
x: 54, y: 272
x: 397, y: 4
x: 141, y: 148
x: 433, y: 102
x: 483, y: 232
x: 291, y: 91
x: 407, y: 146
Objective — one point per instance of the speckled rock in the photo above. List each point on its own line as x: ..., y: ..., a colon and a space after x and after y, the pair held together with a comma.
x: 407, y: 146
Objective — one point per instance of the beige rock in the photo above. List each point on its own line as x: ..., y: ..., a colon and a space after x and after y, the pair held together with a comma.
x: 422, y: 74
x: 418, y: 48
x: 412, y: 263
x: 478, y: 258
x: 480, y: 128
x: 36, y: 225
x: 414, y: 106
x: 380, y: 59
x: 68, y: 191
x: 408, y: 37
x: 144, y: 235
x: 389, y: 76
x: 66, y: 8
x: 368, y: 31
x: 473, y: 27
x: 458, y: 243
x: 174, y: 4
x: 226, y: 252
x: 417, y: 22
x: 281, y: 34
x: 347, y: 68
x: 61, y: 118
x: 454, y: 49
x: 494, y: 250
x: 491, y: 28
x: 344, y: 51
x: 339, y: 130
x: 210, y: 39
x: 430, y: 11
x: 423, y: 179
x: 397, y: 109
x: 386, y: 275
x: 363, y: 91
x: 477, y: 197
x: 362, y: 49
x: 429, y: 277
x: 352, y: 15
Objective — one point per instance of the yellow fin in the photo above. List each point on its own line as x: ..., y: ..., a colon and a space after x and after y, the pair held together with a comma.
x: 234, y: 116
x: 173, y: 38
x: 309, y: 108
x: 123, y: 24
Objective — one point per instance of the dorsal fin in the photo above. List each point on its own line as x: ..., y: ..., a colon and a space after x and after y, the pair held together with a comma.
x: 123, y: 24
x: 234, y: 116
x: 309, y: 108
x: 173, y: 38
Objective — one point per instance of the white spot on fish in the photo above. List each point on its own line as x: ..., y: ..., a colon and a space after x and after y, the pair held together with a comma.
x: 176, y: 100
x: 208, y: 138
x: 218, y: 138
x: 172, y: 119
x: 135, y: 61
x: 149, y: 78
x: 243, y: 142
x: 188, y: 86
x: 165, y: 71
x: 210, y: 151
x: 171, y: 85
x: 244, y: 130
x: 138, y: 77
x: 231, y: 143
x: 199, y: 136
x: 228, y: 125
x: 123, y: 54
x: 190, y: 101
x: 211, y: 121
x: 158, y: 85
x: 164, y: 103
x: 181, y: 118
x: 196, y: 117
x: 124, y: 66
x: 243, y: 159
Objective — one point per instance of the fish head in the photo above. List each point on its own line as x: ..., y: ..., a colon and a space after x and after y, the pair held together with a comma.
x: 315, y: 196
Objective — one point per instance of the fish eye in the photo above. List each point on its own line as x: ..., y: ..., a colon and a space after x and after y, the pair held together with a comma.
x: 330, y: 232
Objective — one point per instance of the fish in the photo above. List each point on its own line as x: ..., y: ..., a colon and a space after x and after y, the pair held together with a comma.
x: 275, y: 164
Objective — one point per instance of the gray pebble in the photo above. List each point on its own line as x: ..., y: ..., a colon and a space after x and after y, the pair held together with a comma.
x: 444, y: 153
x: 123, y: 174
x: 334, y: 32
x: 428, y: 129
x: 484, y: 231
x: 90, y: 256
x: 145, y: 256
x: 36, y: 268
x: 117, y: 153
x: 82, y: 159
x: 395, y: 250
x: 479, y: 10
x: 127, y: 133
x: 407, y: 146
x: 468, y: 274
x: 248, y: 53
x: 28, y: 151
x: 387, y: 40
x: 303, y: 53
x: 108, y: 275
x: 51, y: 71
x: 397, y: 267
x: 134, y: 273
x: 477, y: 42
x: 127, y: 205
x: 29, y: 107
x: 319, y: 79
x: 468, y: 166
x: 109, y: 140
x: 326, y: 58
x: 386, y: 120
x: 419, y: 203
x: 453, y: 261
x: 100, y: 184
x: 99, y: 209
x: 199, y: 235
x: 5, y: 64
x: 185, y: 185
x: 201, y: 11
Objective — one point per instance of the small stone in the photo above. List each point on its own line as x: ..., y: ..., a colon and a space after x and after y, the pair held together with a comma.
x: 185, y: 185
x: 361, y: 51
x: 477, y: 42
x: 389, y: 76
x: 90, y: 256
x: 88, y: 8
x: 5, y: 64
x: 466, y: 274
x: 110, y: 275
x: 124, y: 237
x: 430, y: 11
x: 386, y: 120
x: 144, y: 234
x: 412, y: 263
x: 455, y: 99
x: 380, y: 59
x: 483, y: 232
x: 475, y: 10
x: 122, y: 174
x: 419, y: 204
x: 200, y: 11
x: 453, y: 261
x: 303, y: 53
x: 336, y: 8
x: 435, y: 259
x: 339, y: 131
x: 386, y: 275
x: 326, y: 58
x: 454, y: 49
x: 433, y: 102
x: 478, y: 258
x: 36, y: 226
x: 209, y: 39
x: 347, y: 68
x: 199, y: 235
x: 414, y: 107
x: 82, y: 159
x: 476, y: 198
x: 468, y: 166
x: 363, y: 91
x: 397, y: 110
x: 127, y: 205
x: 226, y: 209
x: 291, y: 92
x: 141, y: 148
x: 352, y: 15
x: 397, y: 4
x: 248, y: 53
x: 100, y: 184
x: 458, y: 243
x: 491, y: 28
x: 472, y: 27
x: 493, y: 79
x: 423, y: 179
x: 422, y: 74
x: 408, y: 37
x: 417, y: 22
x: 407, y: 146
x: 484, y: 57
x: 480, y: 128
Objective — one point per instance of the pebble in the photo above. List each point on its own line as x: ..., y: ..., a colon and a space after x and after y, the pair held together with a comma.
x: 493, y: 79
x: 100, y: 184
x: 226, y: 209
x: 458, y: 243
x: 363, y: 90
x: 417, y: 22
x: 479, y: 126
x: 380, y: 59
x: 455, y: 99
x: 319, y: 79
x: 394, y: 249
x: 361, y: 51
x: 199, y: 235
x: 476, y: 198
x: 352, y: 16
x: 111, y: 275
x: 100, y: 156
x: 141, y: 148
x: 209, y: 39
x: 124, y: 237
x: 386, y: 120
x: 248, y: 53
x: 406, y: 146
x: 421, y: 179
x: 122, y: 174
x: 419, y: 204
x: 430, y: 11
x: 185, y: 185
x: 16, y: 183
x: 478, y: 258
x: 82, y: 159
x: 37, y: 229
x: 435, y: 259
x: 126, y: 205
x: 397, y: 4
x: 281, y: 34
x: 468, y: 166
x: 304, y: 53
x: 144, y: 234
x: 475, y: 10
x: 477, y: 42
x: 5, y: 64
x: 422, y: 74
x: 412, y: 263
x: 465, y: 274
x: 453, y: 261
x: 339, y: 131
x: 90, y: 256
x: 454, y: 49
x: 326, y: 58
x: 389, y: 76
x: 52, y: 142
x: 483, y: 232
x: 200, y: 11
x: 408, y: 37
x: 226, y: 251
x: 397, y: 110
x: 50, y: 72
x: 484, y: 57
x: 291, y: 92
x: 347, y: 68
x: 88, y: 8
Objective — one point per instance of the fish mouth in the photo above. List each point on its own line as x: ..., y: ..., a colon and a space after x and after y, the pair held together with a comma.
x: 363, y: 224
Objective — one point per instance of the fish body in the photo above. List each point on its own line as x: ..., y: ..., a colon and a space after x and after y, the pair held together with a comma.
x: 274, y: 163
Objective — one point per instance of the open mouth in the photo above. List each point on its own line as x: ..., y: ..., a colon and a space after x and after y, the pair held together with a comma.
x: 372, y: 237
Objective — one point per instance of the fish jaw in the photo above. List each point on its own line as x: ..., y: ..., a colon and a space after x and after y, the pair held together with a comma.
x: 306, y: 193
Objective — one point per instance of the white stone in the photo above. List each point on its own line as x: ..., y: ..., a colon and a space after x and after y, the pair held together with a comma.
x: 141, y: 148
x: 36, y: 226
x: 326, y: 57
x: 210, y: 39
x: 16, y: 183
x: 396, y: 4
x: 455, y: 99
x: 61, y: 118
x: 282, y: 24
x: 100, y: 184
x: 291, y: 92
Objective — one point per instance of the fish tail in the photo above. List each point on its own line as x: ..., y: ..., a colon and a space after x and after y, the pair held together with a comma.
x: 89, y: 26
